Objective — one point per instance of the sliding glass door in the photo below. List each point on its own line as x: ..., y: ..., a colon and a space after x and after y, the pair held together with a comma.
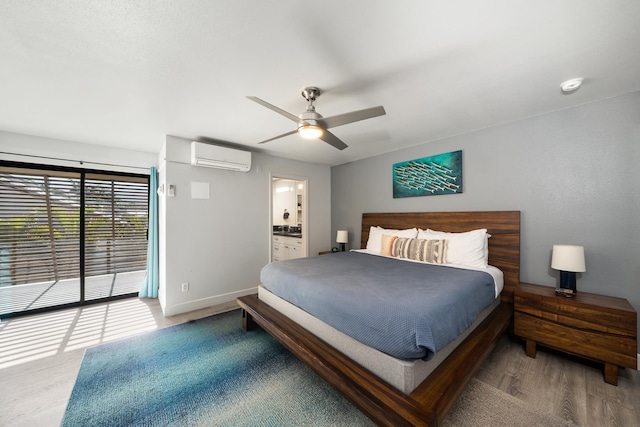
x: 69, y: 237
x: 115, y: 234
x: 39, y: 235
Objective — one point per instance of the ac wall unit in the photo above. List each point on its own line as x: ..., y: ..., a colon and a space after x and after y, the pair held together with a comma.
x: 214, y: 156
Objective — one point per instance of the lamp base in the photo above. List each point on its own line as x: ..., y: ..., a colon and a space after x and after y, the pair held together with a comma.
x: 568, y: 280
x: 342, y: 247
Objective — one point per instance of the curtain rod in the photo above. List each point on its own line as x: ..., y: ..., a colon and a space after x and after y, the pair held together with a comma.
x: 81, y: 162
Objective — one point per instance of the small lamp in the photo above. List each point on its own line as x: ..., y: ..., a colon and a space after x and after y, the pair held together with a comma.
x: 569, y: 259
x: 342, y: 238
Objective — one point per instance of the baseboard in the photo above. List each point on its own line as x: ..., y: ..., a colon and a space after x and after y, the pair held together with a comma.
x: 206, y: 302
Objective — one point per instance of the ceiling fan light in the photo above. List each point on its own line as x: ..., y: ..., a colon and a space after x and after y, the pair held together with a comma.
x: 310, y: 131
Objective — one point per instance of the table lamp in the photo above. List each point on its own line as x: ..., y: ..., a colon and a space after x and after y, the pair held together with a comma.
x: 569, y: 259
x: 342, y: 238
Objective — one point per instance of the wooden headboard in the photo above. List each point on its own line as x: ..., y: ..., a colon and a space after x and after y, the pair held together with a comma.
x: 504, y: 227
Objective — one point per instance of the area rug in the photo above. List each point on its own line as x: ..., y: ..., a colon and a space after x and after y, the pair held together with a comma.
x: 208, y: 372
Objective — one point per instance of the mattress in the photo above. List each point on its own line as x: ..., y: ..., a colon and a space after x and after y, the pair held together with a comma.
x: 407, y: 310
x: 404, y: 375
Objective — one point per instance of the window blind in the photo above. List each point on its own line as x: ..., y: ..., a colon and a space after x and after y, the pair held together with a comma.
x: 116, y: 218
x: 39, y: 226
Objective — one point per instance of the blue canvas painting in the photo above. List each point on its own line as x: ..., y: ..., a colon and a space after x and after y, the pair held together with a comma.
x: 428, y: 176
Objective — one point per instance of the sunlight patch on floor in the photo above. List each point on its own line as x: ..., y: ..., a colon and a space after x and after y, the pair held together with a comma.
x: 24, y: 339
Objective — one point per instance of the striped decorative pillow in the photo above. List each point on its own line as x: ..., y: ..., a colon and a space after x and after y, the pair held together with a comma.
x: 433, y: 251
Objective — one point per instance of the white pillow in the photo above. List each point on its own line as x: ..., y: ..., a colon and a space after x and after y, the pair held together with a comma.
x: 469, y: 248
x: 374, y: 243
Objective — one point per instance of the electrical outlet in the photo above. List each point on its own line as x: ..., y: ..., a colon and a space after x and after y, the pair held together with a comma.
x: 185, y: 287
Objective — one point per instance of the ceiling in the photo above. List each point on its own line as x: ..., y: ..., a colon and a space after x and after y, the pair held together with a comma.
x: 127, y: 73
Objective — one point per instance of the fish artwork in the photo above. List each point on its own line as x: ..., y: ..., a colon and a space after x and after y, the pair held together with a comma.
x: 434, y: 175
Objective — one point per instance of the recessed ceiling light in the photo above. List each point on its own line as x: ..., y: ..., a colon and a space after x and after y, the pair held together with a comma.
x: 571, y: 85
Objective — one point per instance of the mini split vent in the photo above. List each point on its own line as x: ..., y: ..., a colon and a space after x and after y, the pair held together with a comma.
x: 214, y: 156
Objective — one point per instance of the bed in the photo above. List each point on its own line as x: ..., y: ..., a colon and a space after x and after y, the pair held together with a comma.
x: 348, y: 368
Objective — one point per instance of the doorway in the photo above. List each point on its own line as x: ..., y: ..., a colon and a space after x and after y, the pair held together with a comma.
x: 289, y: 224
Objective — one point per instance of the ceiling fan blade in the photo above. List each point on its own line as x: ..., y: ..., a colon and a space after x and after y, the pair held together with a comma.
x: 354, y: 116
x: 331, y: 139
x: 274, y: 108
x: 279, y: 136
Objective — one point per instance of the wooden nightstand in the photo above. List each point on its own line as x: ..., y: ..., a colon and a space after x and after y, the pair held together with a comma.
x: 593, y: 326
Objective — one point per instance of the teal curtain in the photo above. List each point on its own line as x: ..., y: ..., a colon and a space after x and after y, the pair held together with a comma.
x: 151, y: 280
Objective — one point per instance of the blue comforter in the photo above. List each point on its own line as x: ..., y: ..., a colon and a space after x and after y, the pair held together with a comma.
x: 405, y: 309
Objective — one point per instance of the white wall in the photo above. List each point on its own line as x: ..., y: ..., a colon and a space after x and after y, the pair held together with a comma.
x: 47, y: 151
x: 220, y: 245
x: 573, y: 174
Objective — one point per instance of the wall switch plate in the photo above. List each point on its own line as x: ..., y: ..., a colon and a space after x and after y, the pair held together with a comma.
x: 185, y: 287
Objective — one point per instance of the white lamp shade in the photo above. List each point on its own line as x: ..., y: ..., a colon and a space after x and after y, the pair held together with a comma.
x: 342, y: 237
x: 568, y: 258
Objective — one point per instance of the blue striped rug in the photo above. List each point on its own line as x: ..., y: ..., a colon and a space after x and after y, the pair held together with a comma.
x: 208, y: 372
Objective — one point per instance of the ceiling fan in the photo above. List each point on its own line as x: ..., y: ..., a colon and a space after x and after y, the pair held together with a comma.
x: 312, y: 125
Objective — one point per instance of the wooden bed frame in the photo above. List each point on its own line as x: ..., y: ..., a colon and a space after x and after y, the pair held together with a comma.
x: 430, y: 402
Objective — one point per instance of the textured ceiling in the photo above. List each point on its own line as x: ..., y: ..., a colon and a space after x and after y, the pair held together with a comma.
x: 127, y: 73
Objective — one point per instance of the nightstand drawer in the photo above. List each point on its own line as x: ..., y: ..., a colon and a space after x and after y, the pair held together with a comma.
x: 616, y: 349
x: 566, y: 312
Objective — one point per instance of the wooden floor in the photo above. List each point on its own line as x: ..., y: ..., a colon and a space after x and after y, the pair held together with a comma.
x: 568, y: 387
x: 40, y: 356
